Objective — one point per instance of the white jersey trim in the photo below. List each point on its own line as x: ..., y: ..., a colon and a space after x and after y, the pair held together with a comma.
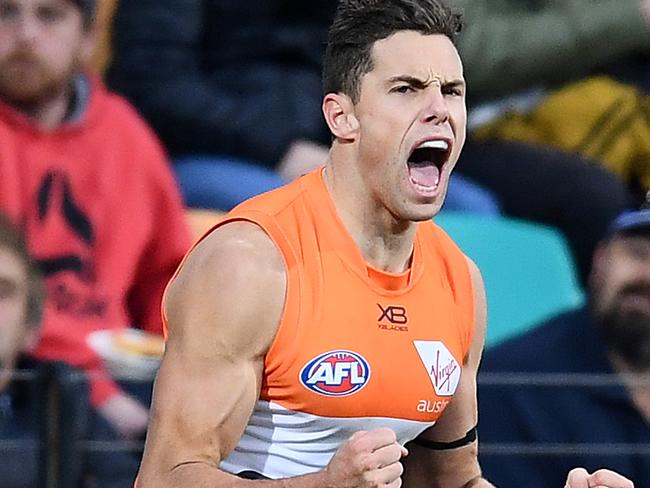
x: 281, y: 443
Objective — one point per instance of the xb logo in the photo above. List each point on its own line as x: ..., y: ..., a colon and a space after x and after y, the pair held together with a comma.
x: 395, y: 315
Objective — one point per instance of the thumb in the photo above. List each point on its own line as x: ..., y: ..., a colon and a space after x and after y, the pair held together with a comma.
x: 577, y: 478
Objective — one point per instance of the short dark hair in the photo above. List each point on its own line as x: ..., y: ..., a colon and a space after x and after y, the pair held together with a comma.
x: 358, y: 24
x: 13, y: 240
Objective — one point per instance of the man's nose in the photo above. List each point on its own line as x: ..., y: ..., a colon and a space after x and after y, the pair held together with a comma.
x: 27, y: 29
x: 436, y: 110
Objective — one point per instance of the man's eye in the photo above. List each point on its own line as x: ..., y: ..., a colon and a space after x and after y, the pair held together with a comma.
x: 51, y: 14
x: 403, y: 89
x: 8, y: 12
x: 456, y: 92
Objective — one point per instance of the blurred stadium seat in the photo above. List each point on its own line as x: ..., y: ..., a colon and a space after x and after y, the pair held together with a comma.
x: 528, y: 270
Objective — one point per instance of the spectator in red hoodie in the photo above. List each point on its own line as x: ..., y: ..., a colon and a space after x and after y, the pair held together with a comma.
x: 88, y: 182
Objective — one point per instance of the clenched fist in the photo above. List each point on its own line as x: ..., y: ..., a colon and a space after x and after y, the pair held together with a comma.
x: 603, y: 478
x: 368, y: 459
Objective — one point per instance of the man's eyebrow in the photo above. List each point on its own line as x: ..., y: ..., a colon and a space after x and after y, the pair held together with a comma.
x: 411, y: 80
x: 420, y: 83
x: 459, y: 83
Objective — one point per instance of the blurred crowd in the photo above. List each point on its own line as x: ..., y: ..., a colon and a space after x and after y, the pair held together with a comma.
x: 128, y: 126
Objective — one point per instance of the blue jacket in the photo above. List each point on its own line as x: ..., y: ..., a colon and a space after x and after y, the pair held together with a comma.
x: 558, y: 421
x: 21, y: 407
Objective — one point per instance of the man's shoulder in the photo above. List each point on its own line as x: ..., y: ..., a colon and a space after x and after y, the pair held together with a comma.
x: 283, y: 211
x: 113, y: 108
x: 239, y: 249
x: 234, y: 271
x: 113, y: 120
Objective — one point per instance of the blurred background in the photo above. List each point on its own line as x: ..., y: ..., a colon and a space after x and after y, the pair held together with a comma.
x: 128, y: 127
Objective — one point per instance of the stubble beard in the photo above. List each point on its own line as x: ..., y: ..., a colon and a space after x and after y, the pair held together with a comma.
x: 626, y: 332
x: 29, y: 90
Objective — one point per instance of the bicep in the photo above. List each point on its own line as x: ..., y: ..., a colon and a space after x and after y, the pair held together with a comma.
x: 223, y: 310
x: 199, y: 409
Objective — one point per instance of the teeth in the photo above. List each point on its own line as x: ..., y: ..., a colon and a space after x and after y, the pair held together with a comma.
x: 436, y: 144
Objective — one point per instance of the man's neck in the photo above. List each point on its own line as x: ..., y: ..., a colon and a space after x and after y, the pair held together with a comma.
x: 385, y: 242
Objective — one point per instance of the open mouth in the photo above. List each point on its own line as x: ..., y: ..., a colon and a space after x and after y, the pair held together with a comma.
x: 426, y: 162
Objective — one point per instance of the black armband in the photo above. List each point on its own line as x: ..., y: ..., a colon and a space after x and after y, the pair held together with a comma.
x: 252, y: 475
x: 441, y: 446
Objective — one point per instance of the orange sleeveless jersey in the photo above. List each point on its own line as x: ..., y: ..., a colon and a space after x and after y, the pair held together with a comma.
x: 357, y: 348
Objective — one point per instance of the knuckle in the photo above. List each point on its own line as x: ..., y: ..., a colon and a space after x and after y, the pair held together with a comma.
x: 604, y: 476
x: 370, y: 480
x: 396, y: 452
x: 599, y: 477
x: 364, y: 464
x: 390, y: 434
x: 356, y: 447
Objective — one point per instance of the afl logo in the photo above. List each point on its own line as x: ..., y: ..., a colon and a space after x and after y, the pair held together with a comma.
x: 336, y: 373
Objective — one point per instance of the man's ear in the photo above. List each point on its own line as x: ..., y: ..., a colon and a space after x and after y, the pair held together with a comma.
x: 339, y: 114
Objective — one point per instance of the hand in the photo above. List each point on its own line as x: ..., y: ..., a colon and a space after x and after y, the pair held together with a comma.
x: 367, y: 459
x: 603, y: 478
x: 127, y: 416
x: 301, y: 158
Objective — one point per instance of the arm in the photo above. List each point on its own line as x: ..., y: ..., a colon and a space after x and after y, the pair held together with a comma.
x: 514, y: 47
x: 454, y: 468
x: 210, y: 375
x: 219, y: 77
x: 223, y: 312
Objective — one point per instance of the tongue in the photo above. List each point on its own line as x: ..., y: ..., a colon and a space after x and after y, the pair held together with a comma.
x: 426, y: 175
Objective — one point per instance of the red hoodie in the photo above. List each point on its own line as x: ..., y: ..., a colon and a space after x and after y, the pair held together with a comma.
x: 102, y: 215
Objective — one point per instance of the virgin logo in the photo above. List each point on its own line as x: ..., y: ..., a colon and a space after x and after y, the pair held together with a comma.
x: 441, y: 366
x: 442, y: 373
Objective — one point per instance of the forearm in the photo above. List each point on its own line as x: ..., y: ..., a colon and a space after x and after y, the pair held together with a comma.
x: 446, y: 468
x: 204, y: 475
x: 434, y: 481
